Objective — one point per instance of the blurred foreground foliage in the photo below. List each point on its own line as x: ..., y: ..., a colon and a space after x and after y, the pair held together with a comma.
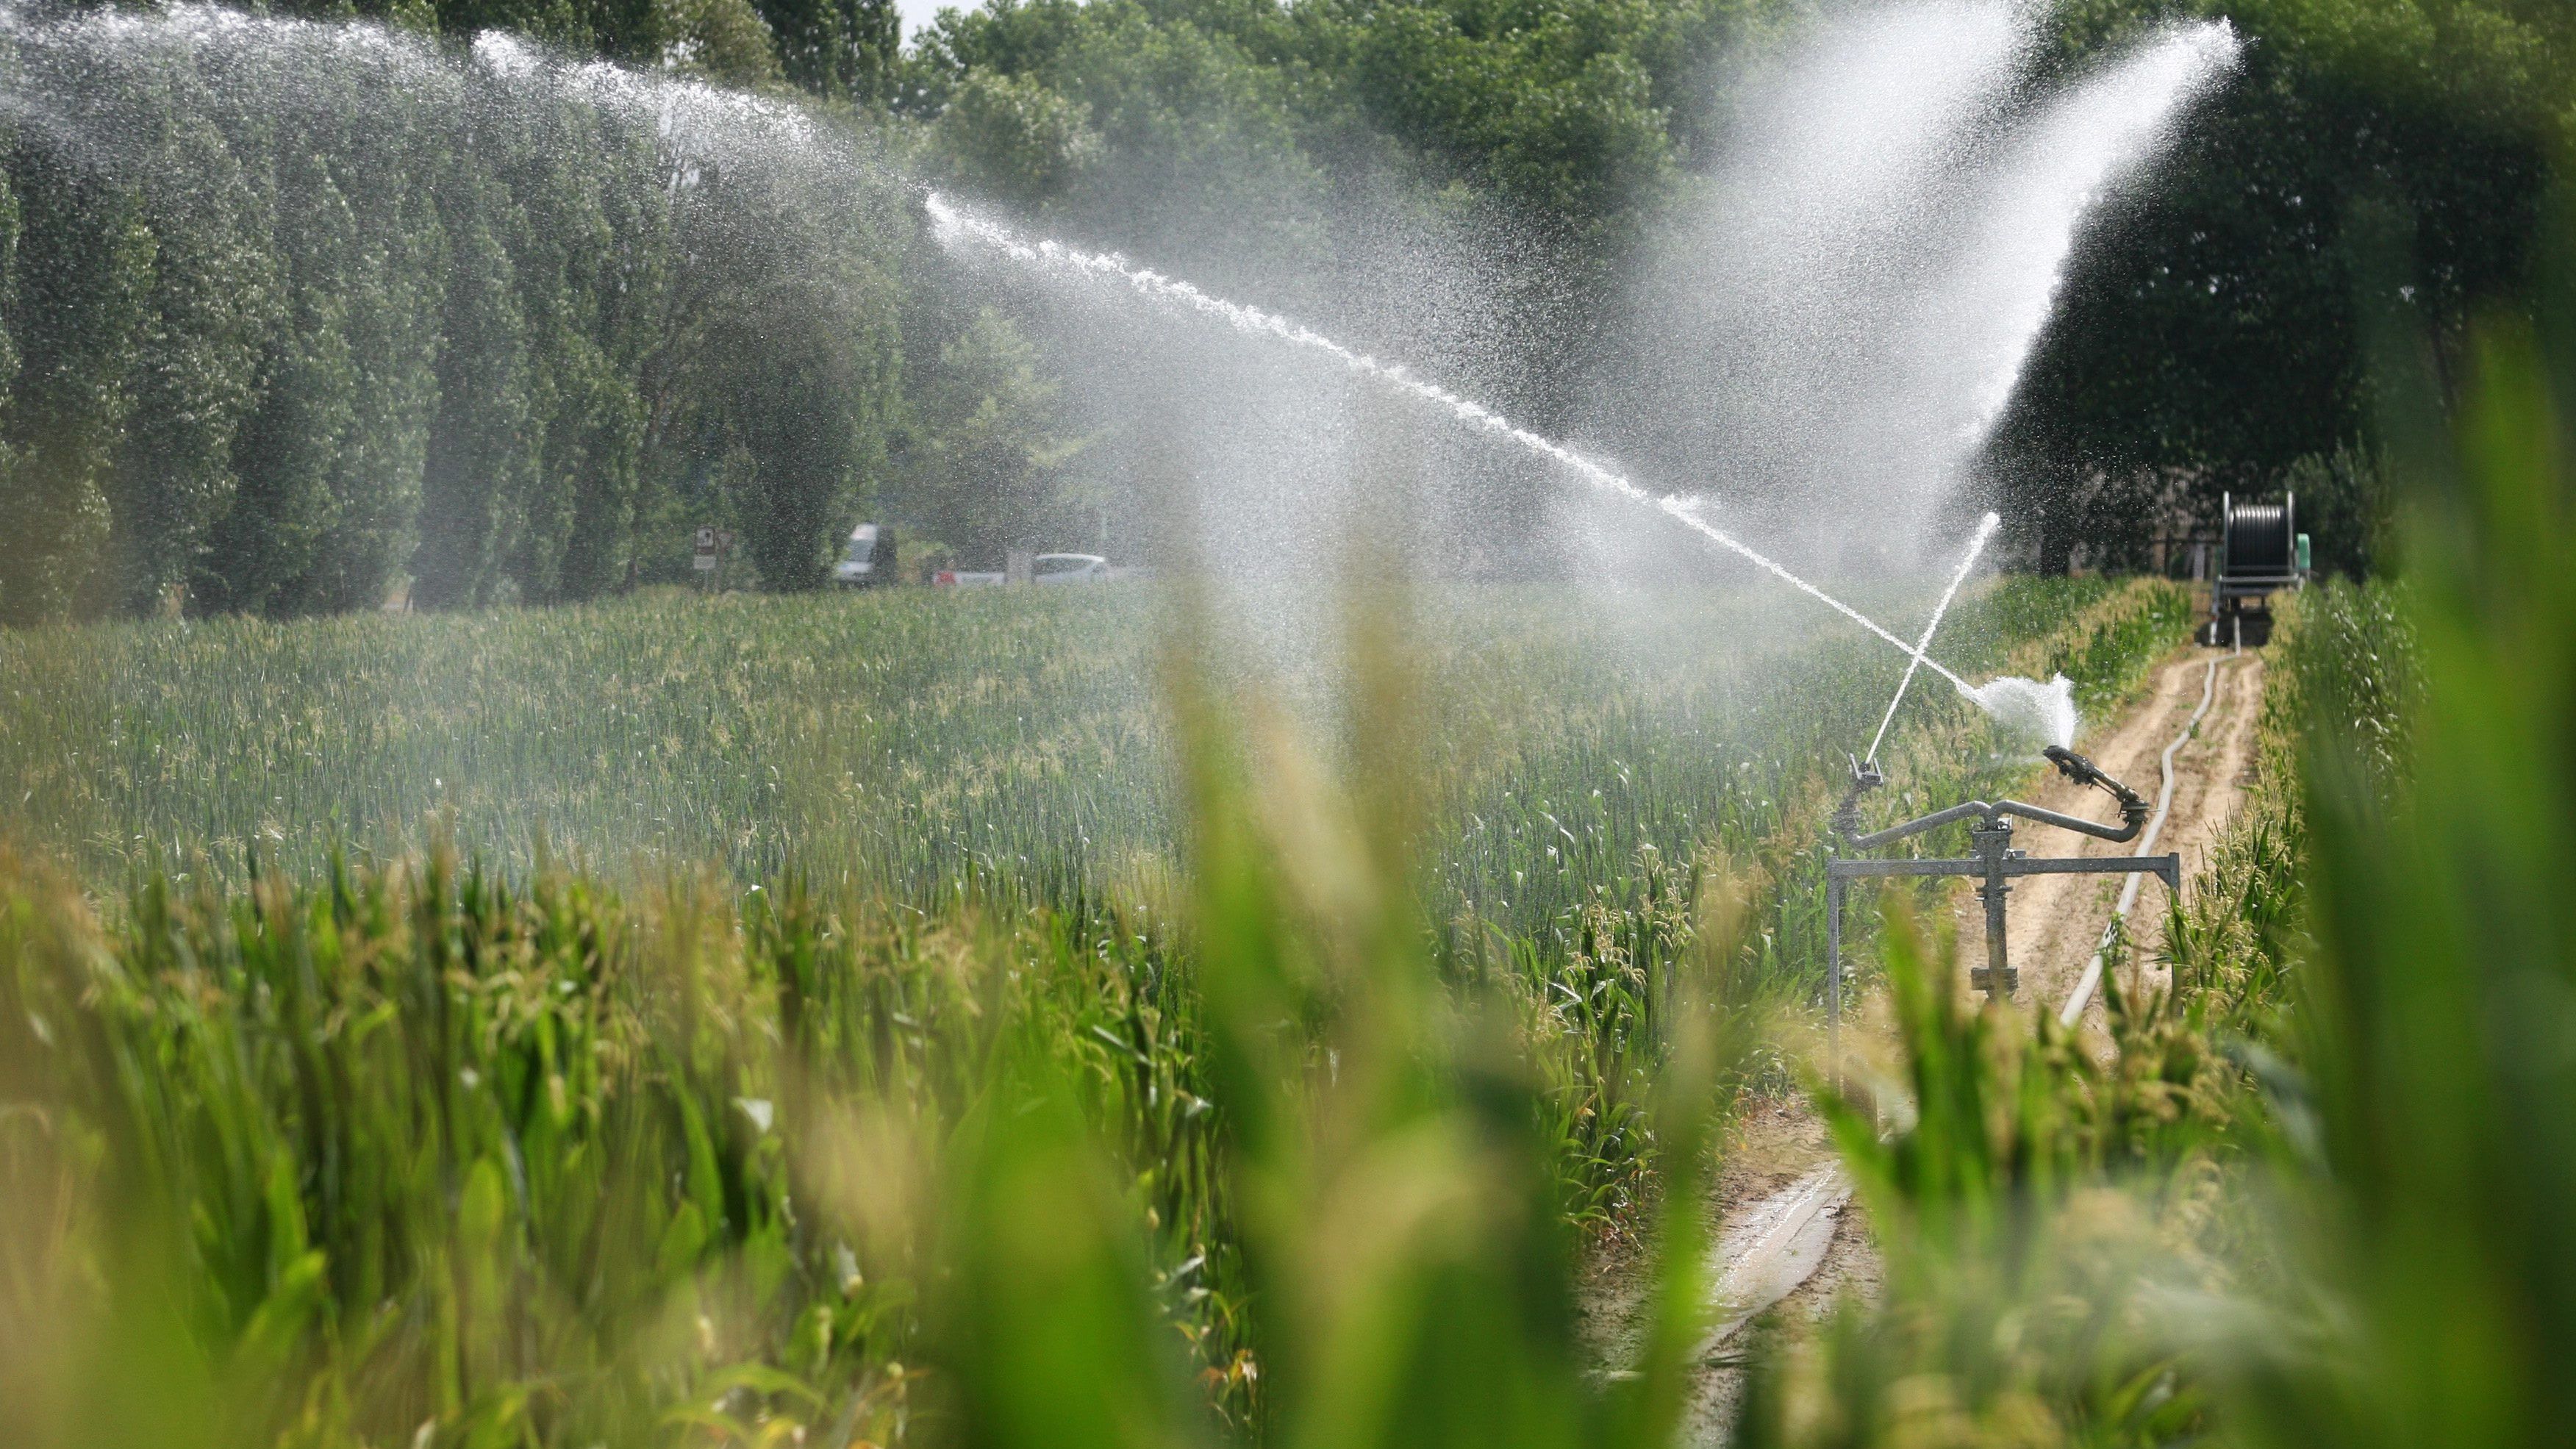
x: 1294, y: 1138
x: 2309, y: 1193
x: 414, y: 1155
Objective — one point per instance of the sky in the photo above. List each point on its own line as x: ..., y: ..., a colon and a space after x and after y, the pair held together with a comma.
x: 919, y: 13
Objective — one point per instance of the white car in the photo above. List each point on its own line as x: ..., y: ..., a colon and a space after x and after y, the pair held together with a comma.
x: 1068, y: 568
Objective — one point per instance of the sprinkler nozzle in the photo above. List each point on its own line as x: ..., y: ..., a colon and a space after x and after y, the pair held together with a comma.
x: 1864, y: 778
x: 2084, y: 772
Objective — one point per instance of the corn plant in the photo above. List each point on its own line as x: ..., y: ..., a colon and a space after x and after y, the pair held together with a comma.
x: 2312, y: 1196
x: 1027, y: 1082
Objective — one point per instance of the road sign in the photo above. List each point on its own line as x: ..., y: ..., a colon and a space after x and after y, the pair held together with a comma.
x: 705, y: 561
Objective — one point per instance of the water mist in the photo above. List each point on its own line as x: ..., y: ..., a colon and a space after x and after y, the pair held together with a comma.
x: 1826, y: 334
x: 953, y: 225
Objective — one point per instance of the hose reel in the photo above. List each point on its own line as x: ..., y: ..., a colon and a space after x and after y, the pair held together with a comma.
x: 2259, y: 550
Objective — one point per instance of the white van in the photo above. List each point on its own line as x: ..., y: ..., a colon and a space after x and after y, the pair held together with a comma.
x: 870, y: 559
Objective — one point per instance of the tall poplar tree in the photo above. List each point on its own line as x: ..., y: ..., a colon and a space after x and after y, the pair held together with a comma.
x: 83, y: 271
x: 393, y: 290
x: 275, y: 532
x: 837, y: 49
x: 474, y: 479
x: 203, y: 329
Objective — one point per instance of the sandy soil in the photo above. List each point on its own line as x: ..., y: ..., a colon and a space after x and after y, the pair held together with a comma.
x: 2053, y: 922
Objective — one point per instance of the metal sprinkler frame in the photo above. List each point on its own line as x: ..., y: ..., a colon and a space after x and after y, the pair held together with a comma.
x: 1992, y: 861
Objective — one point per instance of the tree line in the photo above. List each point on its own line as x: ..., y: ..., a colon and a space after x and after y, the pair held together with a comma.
x: 299, y: 315
x: 292, y: 326
x: 2369, y: 158
x: 2377, y: 168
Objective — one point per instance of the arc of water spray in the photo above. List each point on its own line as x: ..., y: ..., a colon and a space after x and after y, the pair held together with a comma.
x: 950, y: 222
x: 1986, y: 527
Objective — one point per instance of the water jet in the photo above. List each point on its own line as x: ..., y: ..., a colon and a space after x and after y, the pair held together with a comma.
x: 954, y: 224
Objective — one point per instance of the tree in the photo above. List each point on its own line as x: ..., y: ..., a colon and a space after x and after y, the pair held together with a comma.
x: 723, y: 40
x: 475, y: 475
x: 2210, y: 324
x: 289, y: 450
x: 202, y: 330
x: 806, y: 371
x: 392, y: 295
x: 1548, y: 104
x: 82, y: 272
x: 836, y: 49
x: 626, y: 286
x: 556, y: 164
x: 1014, y: 139
x: 988, y: 469
x: 1125, y: 125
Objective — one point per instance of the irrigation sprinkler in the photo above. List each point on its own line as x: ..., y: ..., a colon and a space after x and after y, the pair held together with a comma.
x: 1991, y: 859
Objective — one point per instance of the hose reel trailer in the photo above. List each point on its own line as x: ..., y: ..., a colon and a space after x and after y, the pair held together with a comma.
x: 2259, y: 550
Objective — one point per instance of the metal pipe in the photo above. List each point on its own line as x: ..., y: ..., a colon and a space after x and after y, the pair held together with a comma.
x: 1993, y: 848
x: 1935, y: 821
x: 2131, y: 820
x: 1995, y: 862
x: 1834, y: 888
x: 2126, y: 830
x: 2017, y: 865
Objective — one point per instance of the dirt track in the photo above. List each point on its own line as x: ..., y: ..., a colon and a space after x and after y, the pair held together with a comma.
x: 2054, y: 921
x: 1777, y: 1143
